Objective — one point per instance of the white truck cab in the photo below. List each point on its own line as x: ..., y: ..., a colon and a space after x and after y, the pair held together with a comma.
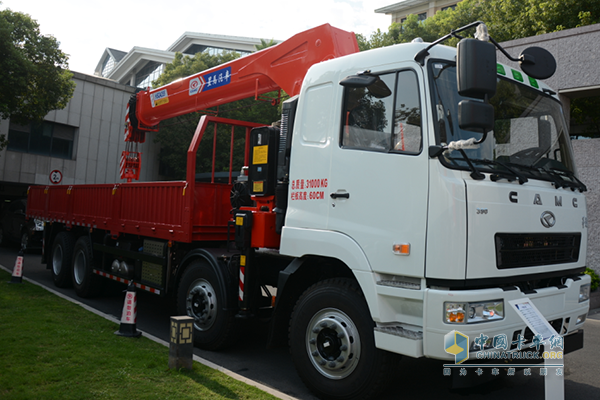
x: 440, y: 231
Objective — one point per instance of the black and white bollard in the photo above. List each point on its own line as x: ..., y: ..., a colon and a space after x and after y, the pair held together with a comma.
x: 129, y: 316
x: 17, y: 275
x: 181, y: 348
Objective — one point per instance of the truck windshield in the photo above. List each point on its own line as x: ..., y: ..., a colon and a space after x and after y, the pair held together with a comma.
x: 529, y: 139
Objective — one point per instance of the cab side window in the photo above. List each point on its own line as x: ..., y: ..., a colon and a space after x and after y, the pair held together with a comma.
x: 385, y: 116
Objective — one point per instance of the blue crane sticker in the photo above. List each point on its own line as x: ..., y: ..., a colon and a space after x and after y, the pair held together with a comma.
x: 210, y: 81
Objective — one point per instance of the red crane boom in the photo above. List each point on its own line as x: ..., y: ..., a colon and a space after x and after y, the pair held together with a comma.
x: 282, y: 66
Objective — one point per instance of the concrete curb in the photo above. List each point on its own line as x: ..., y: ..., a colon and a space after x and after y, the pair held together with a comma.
x: 201, y: 360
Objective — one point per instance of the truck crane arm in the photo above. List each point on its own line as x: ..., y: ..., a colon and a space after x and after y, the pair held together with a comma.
x: 282, y: 66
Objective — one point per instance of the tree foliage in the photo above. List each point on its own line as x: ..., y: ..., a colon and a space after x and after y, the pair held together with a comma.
x: 264, y: 44
x: 34, y: 75
x: 506, y: 20
x: 175, y: 134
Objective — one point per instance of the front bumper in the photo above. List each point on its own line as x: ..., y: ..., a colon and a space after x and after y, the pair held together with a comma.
x: 560, y: 307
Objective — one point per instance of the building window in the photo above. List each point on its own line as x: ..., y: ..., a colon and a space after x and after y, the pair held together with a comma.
x: 43, y: 138
x: 422, y: 16
x: 148, y: 74
x: 453, y: 7
x: 213, y: 51
x: 108, y: 66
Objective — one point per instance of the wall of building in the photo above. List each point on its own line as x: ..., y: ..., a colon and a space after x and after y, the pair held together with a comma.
x: 401, y: 10
x: 588, y: 164
x: 97, y: 111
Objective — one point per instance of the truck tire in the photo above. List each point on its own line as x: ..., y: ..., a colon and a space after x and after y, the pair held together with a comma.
x: 200, y: 296
x: 62, y: 254
x: 85, y: 282
x: 333, y: 346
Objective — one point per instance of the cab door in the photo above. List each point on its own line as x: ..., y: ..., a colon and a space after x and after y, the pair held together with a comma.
x: 378, y: 187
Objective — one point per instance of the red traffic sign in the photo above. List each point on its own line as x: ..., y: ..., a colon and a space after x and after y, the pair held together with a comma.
x: 56, y: 177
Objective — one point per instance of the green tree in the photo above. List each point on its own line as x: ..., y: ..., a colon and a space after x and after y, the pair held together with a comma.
x: 527, y: 18
x: 264, y: 44
x: 175, y: 134
x: 34, y: 75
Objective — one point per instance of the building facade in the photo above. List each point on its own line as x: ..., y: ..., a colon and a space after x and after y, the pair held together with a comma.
x: 140, y: 66
x: 422, y: 8
x: 80, y: 144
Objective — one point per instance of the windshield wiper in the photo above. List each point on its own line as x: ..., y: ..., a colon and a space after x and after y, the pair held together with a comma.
x: 560, y: 181
x: 520, y: 177
x: 475, y: 174
x: 436, y: 151
x: 555, y: 175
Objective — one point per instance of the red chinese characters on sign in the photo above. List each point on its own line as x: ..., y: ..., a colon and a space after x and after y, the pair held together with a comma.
x: 18, y: 270
x: 129, y: 308
x: 308, y: 189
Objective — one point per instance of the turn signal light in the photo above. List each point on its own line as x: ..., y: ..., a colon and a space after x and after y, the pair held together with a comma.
x: 401, y: 249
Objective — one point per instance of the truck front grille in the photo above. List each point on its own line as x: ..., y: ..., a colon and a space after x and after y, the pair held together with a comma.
x: 529, y: 250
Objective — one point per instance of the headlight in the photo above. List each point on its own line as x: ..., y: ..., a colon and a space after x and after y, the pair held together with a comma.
x: 471, y: 313
x: 584, y: 292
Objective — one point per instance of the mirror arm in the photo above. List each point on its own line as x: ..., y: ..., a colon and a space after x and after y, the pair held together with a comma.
x: 504, y: 51
x: 482, y: 138
x: 524, y: 58
x: 420, y: 56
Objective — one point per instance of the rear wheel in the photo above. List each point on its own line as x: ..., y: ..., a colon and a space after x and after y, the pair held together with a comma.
x: 333, y: 346
x: 62, y: 254
x: 200, y: 296
x: 86, y: 283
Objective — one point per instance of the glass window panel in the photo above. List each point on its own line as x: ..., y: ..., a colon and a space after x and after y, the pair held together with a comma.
x: 40, y: 138
x: 407, y: 122
x: 47, y: 138
x: 368, y: 116
x: 61, y: 148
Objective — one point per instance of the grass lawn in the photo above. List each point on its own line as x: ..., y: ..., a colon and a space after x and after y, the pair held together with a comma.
x: 53, y: 349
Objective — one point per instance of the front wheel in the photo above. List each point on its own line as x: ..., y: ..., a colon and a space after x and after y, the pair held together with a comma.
x: 200, y: 296
x: 333, y: 346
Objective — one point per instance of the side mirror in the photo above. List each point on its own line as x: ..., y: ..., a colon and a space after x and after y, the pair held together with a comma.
x: 476, y: 71
x: 538, y: 63
x: 475, y: 116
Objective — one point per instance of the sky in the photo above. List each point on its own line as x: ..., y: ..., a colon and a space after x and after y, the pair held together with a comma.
x: 85, y: 28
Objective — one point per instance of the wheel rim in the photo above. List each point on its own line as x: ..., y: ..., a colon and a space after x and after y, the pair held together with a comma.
x: 79, y: 267
x: 57, y: 260
x: 201, y: 304
x: 333, y: 343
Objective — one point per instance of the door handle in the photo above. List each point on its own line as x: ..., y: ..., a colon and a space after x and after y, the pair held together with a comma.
x: 340, y: 195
